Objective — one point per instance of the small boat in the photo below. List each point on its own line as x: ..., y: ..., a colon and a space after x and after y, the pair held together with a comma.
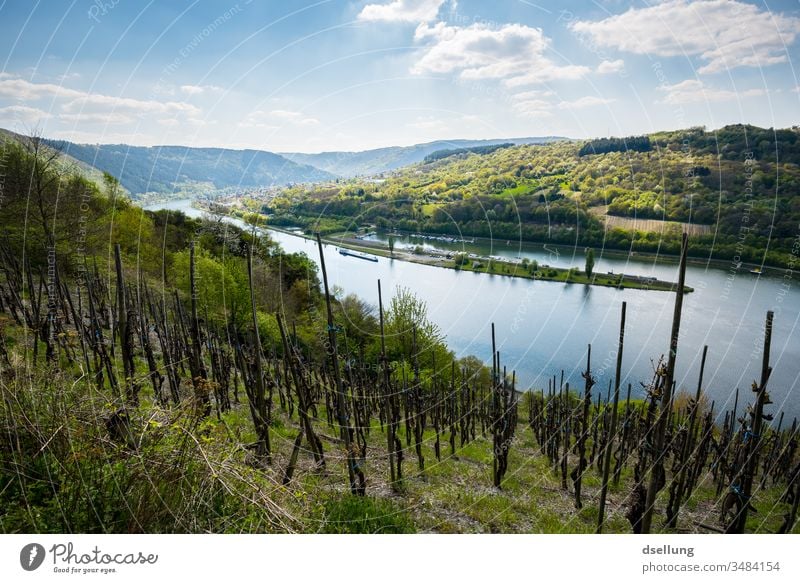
x: 756, y: 271
x: 358, y: 255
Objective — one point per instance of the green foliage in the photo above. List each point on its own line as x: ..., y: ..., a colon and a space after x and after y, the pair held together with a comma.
x: 552, y: 193
x: 365, y: 515
x: 221, y: 285
x: 64, y: 474
x: 405, y: 316
x: 605, y: 145
x: 439, y: 154
x: 589, y: 262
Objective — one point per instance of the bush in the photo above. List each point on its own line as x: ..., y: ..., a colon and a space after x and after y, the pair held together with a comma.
x: 63, y: 472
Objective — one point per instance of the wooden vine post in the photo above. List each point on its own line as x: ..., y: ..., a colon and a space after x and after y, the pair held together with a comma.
x: 356, y: 487
x: 577, y: 473
x: 260, y: 408
x: 197, y: 367
x: 666, y: 399
x: 754, y: 443
x: 613, y: 430
x: 125, y: 334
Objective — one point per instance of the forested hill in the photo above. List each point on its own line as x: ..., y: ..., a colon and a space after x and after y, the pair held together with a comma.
x: 368, y: 162
x: 737, y: 191
x: 169, y: 169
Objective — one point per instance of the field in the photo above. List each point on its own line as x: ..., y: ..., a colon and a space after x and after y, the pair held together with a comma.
x: 648, y: 225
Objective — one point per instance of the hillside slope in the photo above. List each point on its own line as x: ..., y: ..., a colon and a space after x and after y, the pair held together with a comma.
x: 739, y: 185
x: 166, y: 169
x: 367, y: 162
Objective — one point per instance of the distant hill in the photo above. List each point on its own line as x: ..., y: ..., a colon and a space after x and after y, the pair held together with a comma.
x: 66, y: 161
x: 736, y: 189
x: 367, y: 162
x: 167, y: 169
x: 480, y: 150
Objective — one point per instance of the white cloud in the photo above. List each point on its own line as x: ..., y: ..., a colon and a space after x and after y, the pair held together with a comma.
x: 23, y: 113
x: 134, y: 106
x: 439, y: 124
x: 26, y: 91
x: 723, y: 33
x: 607, y: 67
x: 271, y: 120
x: 200, y: 89
x: 513, y: 52
x: 68, y: 76
x: 401, y: 11
x: 583, y: 102
x: 547, y: 73
x: 694, y: 91
x: 110, y: 118
x: 92, y: 107
x: 533, y: 94
x: 534, y: 108
x: 528, y: 105
x: 428, y: 123
x: 293, y: 117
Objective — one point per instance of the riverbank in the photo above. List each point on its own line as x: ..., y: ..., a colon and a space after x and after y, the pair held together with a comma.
x: 507, y: 268
x: 491, y: 265
x: 488, y: 265
x: 646, y: 257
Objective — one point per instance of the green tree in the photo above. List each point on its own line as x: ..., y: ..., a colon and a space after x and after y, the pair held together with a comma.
x: 407, y: 313
x: 589, y: 262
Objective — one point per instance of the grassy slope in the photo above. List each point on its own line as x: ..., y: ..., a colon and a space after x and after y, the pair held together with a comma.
x: 217, y: 490
x: 455, y: 495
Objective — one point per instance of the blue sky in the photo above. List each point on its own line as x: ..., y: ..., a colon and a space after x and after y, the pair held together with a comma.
x: 355, y: 74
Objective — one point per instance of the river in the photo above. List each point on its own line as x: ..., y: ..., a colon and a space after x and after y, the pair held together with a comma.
x: 544, y: 327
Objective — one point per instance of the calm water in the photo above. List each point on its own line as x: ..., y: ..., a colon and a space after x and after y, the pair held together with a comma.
x: 544, y: 327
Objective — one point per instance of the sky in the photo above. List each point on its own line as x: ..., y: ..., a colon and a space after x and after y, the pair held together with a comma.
x: 326, y: 75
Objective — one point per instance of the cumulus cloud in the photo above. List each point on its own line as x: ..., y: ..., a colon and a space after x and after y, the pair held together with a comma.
x: 81, y: 106
x: 533, y: 94
x: 106, y: 118
x: 534, y: 108
x: 533, y: 104
x: 512, y: 52
x: 200, y: 89
x: 584, y: 102
x: 23, y: 114
x: 401, y: 11
x: 23, y: 90
x: 273, y: 119
x: 95, y: 101
x: 723, y: 33
x: 694, y: 91
x: 607, y: 67
x: 428, y: 123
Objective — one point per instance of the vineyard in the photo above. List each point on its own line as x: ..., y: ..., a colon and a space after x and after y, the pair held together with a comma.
x: 127, y: 409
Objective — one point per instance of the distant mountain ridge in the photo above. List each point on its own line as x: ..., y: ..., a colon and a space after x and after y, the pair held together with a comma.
x: 376, y: 161
x: 167, y: 169
x: 186, y: 171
